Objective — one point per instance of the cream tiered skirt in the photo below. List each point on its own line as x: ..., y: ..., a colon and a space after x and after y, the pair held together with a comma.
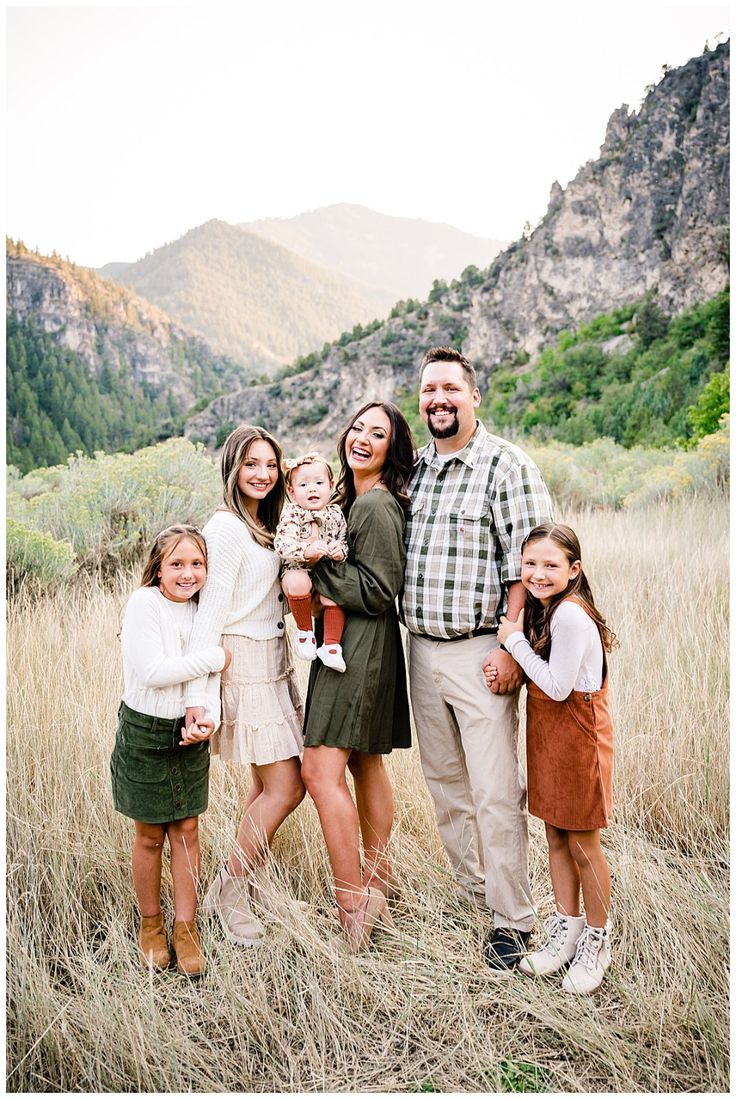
x: 261, y: 709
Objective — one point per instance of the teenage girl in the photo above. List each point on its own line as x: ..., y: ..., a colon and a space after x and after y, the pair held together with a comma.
x: 160, y: 771
x: 309, y: 527
x: 569, y: 748
x: 242, y: 602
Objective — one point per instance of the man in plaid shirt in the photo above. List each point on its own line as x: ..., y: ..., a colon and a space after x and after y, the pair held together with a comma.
x: 474, y: 499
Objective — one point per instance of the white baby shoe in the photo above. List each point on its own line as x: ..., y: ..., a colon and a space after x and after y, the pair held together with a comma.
x: 331, y: 656
x: 306, y: 644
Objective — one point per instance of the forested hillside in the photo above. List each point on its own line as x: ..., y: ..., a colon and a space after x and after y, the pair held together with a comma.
x: 92, y: 367
x: 55, y: 407
x: 251, y: 298
x: 634, y: 376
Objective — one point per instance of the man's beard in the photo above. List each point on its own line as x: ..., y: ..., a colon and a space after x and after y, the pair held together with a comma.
x: 444, y: 432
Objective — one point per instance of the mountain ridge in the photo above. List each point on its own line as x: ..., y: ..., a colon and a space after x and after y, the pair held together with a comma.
x: 383, y: 250
x: 248, y: 297
x: 650, y: 215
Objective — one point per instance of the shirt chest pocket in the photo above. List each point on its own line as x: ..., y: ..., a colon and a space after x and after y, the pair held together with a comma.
x: 469, y: 518
x: 461, y: 529
x: 467, y: 530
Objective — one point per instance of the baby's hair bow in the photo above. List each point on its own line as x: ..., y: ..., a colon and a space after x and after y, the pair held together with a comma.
x: 288, y: 465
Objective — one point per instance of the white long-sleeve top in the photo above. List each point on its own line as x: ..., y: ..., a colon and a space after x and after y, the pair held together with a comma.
x: 155, y: 635
x: 576, y: 654
x: 240, y: 595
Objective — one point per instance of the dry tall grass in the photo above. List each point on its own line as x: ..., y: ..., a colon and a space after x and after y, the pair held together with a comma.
x: 419, y: 1011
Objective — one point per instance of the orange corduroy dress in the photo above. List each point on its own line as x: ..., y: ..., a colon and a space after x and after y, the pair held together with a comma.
x: 569, y: 748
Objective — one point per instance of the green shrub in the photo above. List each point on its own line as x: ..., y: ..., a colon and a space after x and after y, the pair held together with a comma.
x: 713, y: 403
x: 312, y: 416
x: 109, y: 508
x: 34, y: 556
x: 222, y: 433
x: 604, y: 474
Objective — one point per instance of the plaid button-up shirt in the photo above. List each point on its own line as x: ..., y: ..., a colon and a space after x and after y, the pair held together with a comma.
x: 469, y: 518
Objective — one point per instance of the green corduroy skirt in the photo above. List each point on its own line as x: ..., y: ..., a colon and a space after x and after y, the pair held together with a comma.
x: 154, y: 780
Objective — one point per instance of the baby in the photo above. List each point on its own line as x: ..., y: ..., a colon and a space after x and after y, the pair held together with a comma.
x: 306, y: 524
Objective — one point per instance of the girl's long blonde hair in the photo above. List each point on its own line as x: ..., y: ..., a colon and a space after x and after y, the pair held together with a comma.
x: 538, y: 619
x: 165, y: 543
x: 234, y: 453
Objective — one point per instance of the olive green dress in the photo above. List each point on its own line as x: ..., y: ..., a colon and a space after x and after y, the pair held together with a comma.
x: 366, y: 707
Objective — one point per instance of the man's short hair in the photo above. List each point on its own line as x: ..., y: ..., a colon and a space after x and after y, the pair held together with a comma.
x: 449, y: 355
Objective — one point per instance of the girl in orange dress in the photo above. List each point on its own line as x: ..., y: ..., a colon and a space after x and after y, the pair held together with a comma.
x: 560, y: 639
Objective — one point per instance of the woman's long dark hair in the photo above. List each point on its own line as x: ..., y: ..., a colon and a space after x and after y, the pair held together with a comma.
x: 399, y: 464
x: 538, y: 619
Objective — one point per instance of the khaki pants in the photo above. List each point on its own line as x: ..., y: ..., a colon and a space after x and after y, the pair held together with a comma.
x: 468, y: 748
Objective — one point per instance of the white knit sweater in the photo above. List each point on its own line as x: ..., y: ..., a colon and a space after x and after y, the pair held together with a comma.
x: 241, y: 593
x: 155, y: 634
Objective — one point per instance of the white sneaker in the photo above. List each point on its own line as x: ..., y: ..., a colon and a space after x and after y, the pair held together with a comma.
x: 228, y: 898
x: 306, y: 644
x: 563, y: 933
x: 331, y: 656
x: 592, y: 959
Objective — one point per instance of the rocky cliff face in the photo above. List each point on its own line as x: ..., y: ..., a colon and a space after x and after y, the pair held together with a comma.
x: 104, y: 324
x: 651, y: 214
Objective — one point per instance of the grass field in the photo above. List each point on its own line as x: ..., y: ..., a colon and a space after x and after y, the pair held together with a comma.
x: 419, y: 1011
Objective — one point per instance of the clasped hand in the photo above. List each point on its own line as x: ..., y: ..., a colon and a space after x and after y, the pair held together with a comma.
x: 316, y: 550
x: 503, y: 674
x: 196, y: 726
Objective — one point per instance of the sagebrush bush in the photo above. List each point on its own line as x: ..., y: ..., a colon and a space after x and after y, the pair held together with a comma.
x: 108, y: 508
x: 691, y: 472
x: 605, y: 474
x: 35, y: 557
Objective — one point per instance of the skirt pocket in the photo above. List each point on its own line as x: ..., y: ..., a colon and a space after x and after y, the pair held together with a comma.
x: 154, y: 780
x: 145, y: 753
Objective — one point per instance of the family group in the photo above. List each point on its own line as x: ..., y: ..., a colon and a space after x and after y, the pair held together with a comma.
x: 458, y: 543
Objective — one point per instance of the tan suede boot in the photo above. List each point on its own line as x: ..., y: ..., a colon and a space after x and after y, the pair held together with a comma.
x: 153, y: 948
x: 189, y: 958
x: 228, y: 898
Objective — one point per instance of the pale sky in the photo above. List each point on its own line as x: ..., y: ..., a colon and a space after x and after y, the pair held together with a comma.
x: 127, y: 126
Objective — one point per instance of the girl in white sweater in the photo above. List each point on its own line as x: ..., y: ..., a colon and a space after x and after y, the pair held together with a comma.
x: 160, y: 773
x: 242, y: 604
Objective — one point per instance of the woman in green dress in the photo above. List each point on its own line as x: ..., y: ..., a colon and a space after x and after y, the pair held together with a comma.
x: 354, y: 719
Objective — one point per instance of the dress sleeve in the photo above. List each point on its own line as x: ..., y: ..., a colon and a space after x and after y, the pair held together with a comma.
x: 557, y: 676
x: 369, y: 581
x: 288, y: 542
x: 341, y: 534
x: 143, y: 648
